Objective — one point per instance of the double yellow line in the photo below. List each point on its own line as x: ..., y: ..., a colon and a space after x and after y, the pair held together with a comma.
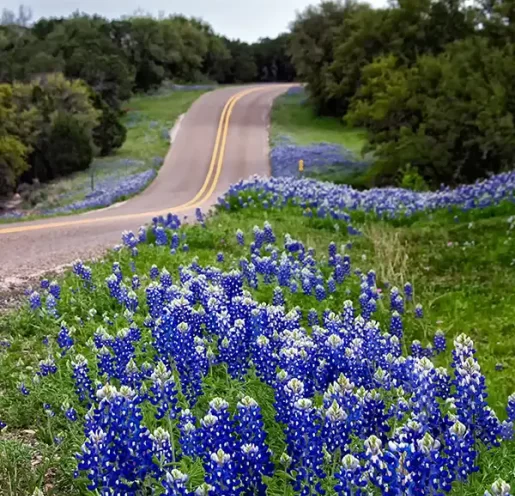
x: 205, y: 192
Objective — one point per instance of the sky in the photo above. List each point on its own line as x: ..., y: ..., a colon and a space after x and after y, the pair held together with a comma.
x: 247, y: 20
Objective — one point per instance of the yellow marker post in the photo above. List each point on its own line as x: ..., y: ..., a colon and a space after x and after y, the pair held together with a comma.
x: 301, y: 165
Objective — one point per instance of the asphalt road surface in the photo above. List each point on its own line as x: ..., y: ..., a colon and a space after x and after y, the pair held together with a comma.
x: 223, y: 138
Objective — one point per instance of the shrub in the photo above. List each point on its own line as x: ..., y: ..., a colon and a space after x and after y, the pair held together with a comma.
x: 69, y: 146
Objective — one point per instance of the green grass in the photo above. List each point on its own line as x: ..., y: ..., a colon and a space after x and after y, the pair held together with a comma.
x: 293, y: 117
x: 144, y: 141
x: 462, y: 272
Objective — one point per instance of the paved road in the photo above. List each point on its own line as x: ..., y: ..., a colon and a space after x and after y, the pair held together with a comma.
x: 222, y: 139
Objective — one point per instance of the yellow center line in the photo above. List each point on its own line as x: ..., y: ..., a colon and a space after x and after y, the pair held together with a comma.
x: 212, y: 177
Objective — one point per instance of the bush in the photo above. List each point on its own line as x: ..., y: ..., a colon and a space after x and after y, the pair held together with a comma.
x: 110, y: 133
x: 69, y: 146
x: 450, y: 117
x: 411, y: 179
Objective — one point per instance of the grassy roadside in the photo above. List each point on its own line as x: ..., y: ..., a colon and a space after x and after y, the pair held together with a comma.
x: 292, y: 117
x: 462, y: 271
x: 149, y: 118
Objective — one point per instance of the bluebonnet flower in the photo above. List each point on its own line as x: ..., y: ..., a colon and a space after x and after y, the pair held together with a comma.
x: 83, y: 271
x: 163, y: 392
x: 416, y: 349
x: 396, y: 328
x: 55, y: 290
x: 47, y: 367
x: 135, y: 282
x: 250, y: 426
x: 221, y: 474
x: 44, y: 284
x: 23, y: 389
x: 305, y: 446
x: 408, y: 291
x: 187, y: 363
x: 185, y: 247
x: 129, y: 239
x: 460, y: 451
x: 352, y: 477
x: 48, y: 410
x: 175, y: 483
x: 419, y: 311
x: 117, y: 454
x: 69, y: 412
x: 268, y: 233
x: 64, y: 339
x: 154, y: 272
x: 165, y: 279
x: 471, y: 395
x: 331, y: 285
x: 510, y: 409
x: 320, y: 292
x: 189, y: 440
x: 3, y: 425
x: 154, y: 299
x: 51, y: 304
x: 313, y: 317
x: 220, y: 257
x: 240, y: 238
x: 162, y: 446
x: 35, y: 300
x: 440, y: 342
x: 278, y: 298
x: 83, y: 384
x: 336, y: 430
x: 161, y: 236
x: 199, y: 216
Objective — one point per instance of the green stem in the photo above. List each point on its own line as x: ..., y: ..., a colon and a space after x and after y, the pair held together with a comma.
x: 172, y: 439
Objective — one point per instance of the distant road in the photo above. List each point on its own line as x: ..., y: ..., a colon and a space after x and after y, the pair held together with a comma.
x: 223, y: 138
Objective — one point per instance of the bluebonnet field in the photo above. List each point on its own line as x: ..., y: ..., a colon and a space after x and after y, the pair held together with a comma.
x: 318, y: 158
x: 296, y: 135
x: 260, y: 366
x: 327, y: 199
x: 113, y: 180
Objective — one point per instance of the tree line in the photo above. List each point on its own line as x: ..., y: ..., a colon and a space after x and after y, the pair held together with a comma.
x: 432, y: 82
x: 63, y: 81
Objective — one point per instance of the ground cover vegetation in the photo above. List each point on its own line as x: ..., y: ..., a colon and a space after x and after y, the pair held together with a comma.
x: 304, y: 339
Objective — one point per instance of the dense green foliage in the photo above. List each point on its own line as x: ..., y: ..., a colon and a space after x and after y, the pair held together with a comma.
x: 431, y: 81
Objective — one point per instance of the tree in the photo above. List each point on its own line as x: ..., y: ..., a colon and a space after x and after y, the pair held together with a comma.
x: 110, y: 133
x: 13, y: 153
x: 49, y: 99
x: 68, y: 147
x: 450, y: 117
x: 312, y: 45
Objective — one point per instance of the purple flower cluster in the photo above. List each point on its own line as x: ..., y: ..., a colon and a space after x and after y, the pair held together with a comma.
x: 108, y: 192
x: 276, y: 192
x: 285, y: 156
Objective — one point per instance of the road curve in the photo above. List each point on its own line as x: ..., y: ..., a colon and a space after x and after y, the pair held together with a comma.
x: 222, y: 139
